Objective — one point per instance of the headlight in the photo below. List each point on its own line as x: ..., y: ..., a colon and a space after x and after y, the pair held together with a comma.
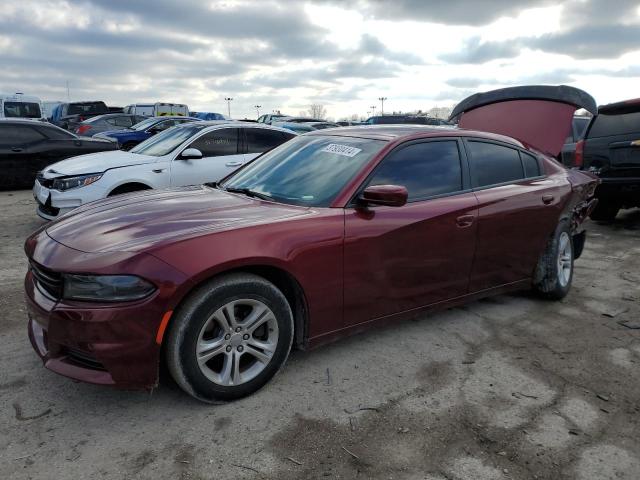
x: 106, y: 288
x: 67, y: 183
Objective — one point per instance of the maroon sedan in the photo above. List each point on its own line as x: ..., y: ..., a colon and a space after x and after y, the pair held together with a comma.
x: 331, y: 233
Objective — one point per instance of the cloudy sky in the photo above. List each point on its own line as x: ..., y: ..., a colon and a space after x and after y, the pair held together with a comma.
x: 288, y: 54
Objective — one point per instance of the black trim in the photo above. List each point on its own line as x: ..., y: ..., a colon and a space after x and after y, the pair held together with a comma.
x: 554, y: 93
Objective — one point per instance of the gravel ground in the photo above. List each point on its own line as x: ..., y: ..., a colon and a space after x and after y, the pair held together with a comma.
x: 511, y: 387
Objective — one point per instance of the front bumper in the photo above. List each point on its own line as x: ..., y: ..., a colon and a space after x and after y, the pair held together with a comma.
x: 100, y: 343
x: 54, y: 203
x: 105, y: 346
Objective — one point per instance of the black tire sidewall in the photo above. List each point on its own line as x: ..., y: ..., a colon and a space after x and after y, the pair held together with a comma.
x: 184, y: 333
x: 550, y: 285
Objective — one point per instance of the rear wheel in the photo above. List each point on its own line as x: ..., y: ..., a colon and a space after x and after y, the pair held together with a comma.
x: 229, y: 338
x: 554, y: 272
x: 605, y: 211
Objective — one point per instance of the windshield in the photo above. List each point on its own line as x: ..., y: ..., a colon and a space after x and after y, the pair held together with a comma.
x: 145, y: 123
x: 22, y: 109
x: 166, y: 142
x: 307, y: 170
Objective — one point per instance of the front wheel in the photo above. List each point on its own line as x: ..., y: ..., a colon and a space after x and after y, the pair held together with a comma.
x: 229, y: 338
x: 554, y: 272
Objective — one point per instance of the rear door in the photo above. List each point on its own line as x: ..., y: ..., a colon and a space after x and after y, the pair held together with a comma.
x: 518, y: 207
x: 260, y: 140
x: 400, y: 258
x: 221, y: 156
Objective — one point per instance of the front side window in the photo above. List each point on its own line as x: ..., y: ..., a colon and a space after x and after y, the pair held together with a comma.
x: 218, y: 143
x: 306, y: 170
x: 22, y: 109
x: 262, y: 139
x: 425, y: 169
x: 493, y: 164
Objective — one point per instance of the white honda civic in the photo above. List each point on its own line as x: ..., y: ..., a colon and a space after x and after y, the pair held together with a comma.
x: 188, y: 154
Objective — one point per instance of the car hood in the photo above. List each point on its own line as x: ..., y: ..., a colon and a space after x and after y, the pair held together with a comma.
x: 537, y: 115
x: 95, y: 163
x: 143, y: 220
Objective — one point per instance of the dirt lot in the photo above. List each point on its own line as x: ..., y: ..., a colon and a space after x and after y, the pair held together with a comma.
x: 507, y: 388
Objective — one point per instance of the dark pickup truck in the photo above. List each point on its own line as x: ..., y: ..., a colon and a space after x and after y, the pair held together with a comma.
x: 610, y: 148
x: 69, y: 115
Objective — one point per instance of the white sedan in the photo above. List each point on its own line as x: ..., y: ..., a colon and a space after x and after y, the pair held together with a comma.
x: 189, y: 154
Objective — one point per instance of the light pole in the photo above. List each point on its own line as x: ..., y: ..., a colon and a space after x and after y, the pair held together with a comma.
x: 257, y: 107
x: 382, y: 99
x: 228, y: 99
x: 373, y: 110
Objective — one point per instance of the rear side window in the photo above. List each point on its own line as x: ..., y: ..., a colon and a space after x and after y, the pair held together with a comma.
x: 425, y: 169
x: 22, y: 109
x: 218, y: 143
x: 55, y: 133
x: 19, y: 135
x: 262, y: 140
x: 531, y: 165
x: 123, y: 121
x: 492, y: 164
x: 607, y: 125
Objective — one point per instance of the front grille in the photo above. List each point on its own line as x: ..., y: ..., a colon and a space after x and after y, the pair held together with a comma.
x: 45, y: 182
x: 50, y: 283
x: 82, y: 358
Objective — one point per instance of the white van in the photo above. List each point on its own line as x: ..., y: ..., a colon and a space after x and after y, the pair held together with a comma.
x: 158, y: 109
x: 19, y: 105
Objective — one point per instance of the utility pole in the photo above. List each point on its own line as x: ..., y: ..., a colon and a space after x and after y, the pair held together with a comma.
x: 382, y: 99
x: 258, y: 107
x: 228, y: 99
x: 373, y: 110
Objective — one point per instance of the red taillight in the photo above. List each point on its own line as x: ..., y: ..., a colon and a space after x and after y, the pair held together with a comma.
x: 579, y: 156
x: 82, y: 128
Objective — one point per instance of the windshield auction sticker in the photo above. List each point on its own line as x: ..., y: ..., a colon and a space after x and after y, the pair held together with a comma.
x: 344, y: 150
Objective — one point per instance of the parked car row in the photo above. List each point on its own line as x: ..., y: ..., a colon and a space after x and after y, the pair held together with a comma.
x: 190, y: 153
x: 324, y: 235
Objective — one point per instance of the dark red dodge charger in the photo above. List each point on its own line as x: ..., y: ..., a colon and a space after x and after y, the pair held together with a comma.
x: 324, y: 236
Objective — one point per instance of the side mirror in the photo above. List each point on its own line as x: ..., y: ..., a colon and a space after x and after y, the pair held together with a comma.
x: 387, y: 195
x: 191, y: 153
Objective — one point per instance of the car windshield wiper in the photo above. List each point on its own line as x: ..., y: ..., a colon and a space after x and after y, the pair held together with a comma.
x: 248, y: 192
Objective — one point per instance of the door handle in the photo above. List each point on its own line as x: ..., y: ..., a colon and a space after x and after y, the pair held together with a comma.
x: 547, y: 199
x: 233, y: 164
x: 16, y: 149
x: 465, y: 221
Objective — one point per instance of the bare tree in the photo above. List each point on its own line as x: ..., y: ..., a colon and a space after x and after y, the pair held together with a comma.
x: 317, y: 110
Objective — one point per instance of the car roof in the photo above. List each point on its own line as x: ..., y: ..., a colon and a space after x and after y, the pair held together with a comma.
x: 31, y: 121
x: 237, y: 123
x: 409, y: 131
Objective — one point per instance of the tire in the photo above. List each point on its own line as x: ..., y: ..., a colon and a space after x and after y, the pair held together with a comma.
x: 128, y: 146
x: 554, y: 272
x: 605, y: 211
x: 211, y: 333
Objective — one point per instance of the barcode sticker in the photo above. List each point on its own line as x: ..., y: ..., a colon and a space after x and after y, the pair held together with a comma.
x: 344, y: 150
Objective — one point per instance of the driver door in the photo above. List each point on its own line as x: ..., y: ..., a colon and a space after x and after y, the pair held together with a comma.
x: 221, y: 155
x: 398, y: 259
